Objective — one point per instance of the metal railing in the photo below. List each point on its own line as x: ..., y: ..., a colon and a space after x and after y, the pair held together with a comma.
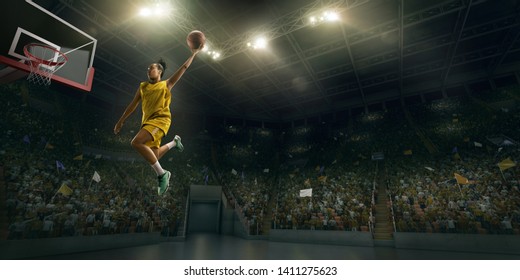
x: 392, y: 211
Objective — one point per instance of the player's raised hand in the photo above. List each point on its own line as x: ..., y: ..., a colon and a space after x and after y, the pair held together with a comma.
x: 117, y: 127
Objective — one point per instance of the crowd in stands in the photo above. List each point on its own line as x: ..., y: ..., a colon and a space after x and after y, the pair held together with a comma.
x: 245, y: 165
x: 426, y: 196
x: 51, y: 191
x: 433, y: 201
x: 341, y: 200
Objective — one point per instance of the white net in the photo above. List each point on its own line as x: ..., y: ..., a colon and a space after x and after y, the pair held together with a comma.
x: 44, y: 62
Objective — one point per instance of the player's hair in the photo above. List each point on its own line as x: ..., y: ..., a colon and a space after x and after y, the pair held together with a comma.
x: 161, y: 64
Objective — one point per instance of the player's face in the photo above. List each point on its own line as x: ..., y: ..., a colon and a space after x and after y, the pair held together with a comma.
x: 154, y: 72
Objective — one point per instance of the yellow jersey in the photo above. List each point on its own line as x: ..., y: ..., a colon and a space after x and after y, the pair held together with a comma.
x: 156, y: 99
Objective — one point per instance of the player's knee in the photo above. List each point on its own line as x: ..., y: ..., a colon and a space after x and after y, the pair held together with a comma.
x: 135, y: 143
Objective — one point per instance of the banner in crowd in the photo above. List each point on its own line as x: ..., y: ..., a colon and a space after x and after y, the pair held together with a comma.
x: 96, y: 177
x: 378, y: 156
x: 461, y: 180
x: 506, y: 164
x: 501, y: 140
x: 306, y: 193
x: 78, y: 157
x: 59, y: 165
x: 65, y: 190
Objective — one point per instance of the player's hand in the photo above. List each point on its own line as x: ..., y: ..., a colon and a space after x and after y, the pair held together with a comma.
x: 117, y: 127
x: 195, y: 51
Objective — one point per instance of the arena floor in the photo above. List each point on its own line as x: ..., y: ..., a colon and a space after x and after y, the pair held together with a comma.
x: 223, y: 247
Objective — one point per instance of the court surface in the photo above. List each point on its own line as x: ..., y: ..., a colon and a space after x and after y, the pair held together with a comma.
x: 202, y: 246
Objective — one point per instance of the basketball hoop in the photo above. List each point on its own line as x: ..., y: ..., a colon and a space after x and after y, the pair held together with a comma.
x: 44, y: 61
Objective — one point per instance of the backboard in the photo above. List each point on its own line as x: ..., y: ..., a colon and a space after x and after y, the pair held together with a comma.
x: 24, y: 22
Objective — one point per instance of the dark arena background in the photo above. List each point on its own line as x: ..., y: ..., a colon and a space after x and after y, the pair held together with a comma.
x: 313, y: 130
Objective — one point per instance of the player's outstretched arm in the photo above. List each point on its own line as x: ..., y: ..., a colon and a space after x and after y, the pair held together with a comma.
x: 178, y: 74
x: 128, y: 111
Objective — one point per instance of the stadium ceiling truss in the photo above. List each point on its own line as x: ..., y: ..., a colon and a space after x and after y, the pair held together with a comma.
x: 385, y: 69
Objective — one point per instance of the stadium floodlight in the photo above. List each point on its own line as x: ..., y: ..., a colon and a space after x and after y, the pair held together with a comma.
x: 331, y: 16
x: 159, y: 9
x: 327, y: 16
x: 207, y: 49
x: 144, y: 12
x: 215, y: 55
x: 259, y: 43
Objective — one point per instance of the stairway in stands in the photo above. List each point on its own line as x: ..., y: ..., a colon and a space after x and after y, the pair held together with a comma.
x: 383, y: 226
x: 4, y: 221
x: 271, y: 205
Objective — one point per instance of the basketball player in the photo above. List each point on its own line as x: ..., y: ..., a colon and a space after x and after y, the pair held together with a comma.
x: 156, y: 97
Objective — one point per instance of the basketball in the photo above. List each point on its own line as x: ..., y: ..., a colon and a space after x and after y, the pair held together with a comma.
x: 195, y: 39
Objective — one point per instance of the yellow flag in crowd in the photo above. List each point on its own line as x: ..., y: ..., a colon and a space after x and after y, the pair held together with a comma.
x: 78, y: 157
x: 461, y: 180
x: 65, y: 190
x: 322, y: 179
x: 408, y: 152
x: 506, y: 164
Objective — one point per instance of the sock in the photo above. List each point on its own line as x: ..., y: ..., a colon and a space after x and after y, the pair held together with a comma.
x: 171, y: 144
x: 158, y: 168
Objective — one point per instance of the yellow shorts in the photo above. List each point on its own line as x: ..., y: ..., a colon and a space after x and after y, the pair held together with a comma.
x: 157, y: 135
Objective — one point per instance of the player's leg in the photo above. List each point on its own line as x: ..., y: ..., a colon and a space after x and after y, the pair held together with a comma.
x: 139, y: 144
x: 147, y: 142
x: 156, y: 152
x: 161, y: 151
x: 175, y: 143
